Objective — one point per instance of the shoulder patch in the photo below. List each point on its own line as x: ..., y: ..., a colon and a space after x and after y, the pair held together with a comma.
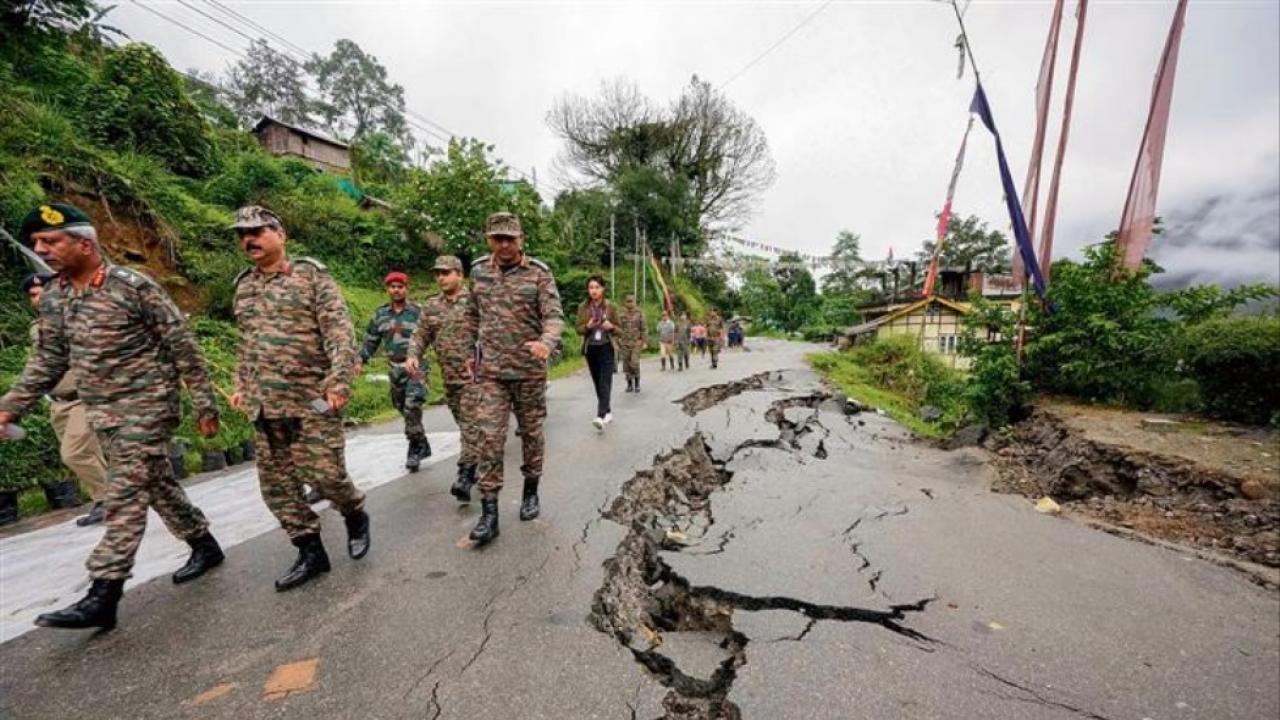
x: 539, y: 263
x: 241, y: 276
x: 313, y: 262
x: 130, y: 276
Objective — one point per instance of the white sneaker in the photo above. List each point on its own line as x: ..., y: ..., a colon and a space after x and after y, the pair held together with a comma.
x: 608, y: 418
x: 599, y: 423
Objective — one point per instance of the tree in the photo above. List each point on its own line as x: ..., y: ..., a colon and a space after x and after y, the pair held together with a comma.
x: 141, y: 104
x: 799, y: 292
x: 377, y: 159
x: 49, y: 17
x: 969, y: 242
x: 358, y: 97
x: 703, y: 145
x: 448, y: 202
x: 847, y: 277
x: 761, y: 298
x: 267, y: 82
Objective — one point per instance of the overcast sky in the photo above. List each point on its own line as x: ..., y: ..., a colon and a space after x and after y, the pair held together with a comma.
x: 861, y: 106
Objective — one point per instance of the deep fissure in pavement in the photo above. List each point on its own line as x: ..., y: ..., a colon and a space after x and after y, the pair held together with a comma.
x: 642, y: 597
x: 705, y: 397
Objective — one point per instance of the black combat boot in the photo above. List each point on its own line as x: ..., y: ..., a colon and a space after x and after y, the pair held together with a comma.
x: 424, y: 448
x: 412, y: 460
x: 312, y: 560
x: 96, y: 609
x: 206, y: 554
x: 637, y: 384
x: 631, y: 383
x: 312, y: 495
x: 529, y: 505
x: 664, y: 364
x: 96, y: 515
x: 487, y: 528
x: 462, y: 486
x: 357, y: 533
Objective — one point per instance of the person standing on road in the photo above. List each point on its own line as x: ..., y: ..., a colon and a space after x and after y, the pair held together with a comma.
x: 699, y: 334
x: 715, y: 336
x: 296, y: 362
x: 597, y: 323
x: 683, y: 329
x: 667, y: 341
x: 445, y: 326
x: 77, y: 445
x: 516, y: 319
x: 633, y: 337
x: 128, y: 345
x: 393, y: 326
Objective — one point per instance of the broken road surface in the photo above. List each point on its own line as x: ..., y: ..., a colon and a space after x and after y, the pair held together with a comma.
x: 733, y: 546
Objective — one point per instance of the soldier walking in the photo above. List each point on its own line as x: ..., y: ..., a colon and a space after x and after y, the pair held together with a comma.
x: 516, y: 318
x: 445, y: 325
x: 128, y: 345
x: 393, y: 326
x: 296, y: 362
x: 77, y: 444
x: 715, y: 336
x: 632, y: 339
x: 683, y: 331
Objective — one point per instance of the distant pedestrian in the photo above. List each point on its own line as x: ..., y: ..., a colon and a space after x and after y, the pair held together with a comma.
x: 632, y: 340
x: 667, y: 341
x: 446, y: 326
x: 699, y: 335
x: 597, y: 323
x: 682, y: 341
x: 392, y: 327
x: 77, y: 444
x: 297, y: 358
x: 715, y: 336
x: 516, y: 319
x: 129, y: 346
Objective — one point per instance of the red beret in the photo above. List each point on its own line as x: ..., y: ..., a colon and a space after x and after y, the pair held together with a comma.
x: 396, y: 276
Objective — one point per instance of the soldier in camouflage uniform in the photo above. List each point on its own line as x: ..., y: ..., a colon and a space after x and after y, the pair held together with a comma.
x: 445, y: 325
x: 128, y: 345
x: 516, y: 318
x: 633, y: 337
x: 296, y: 362
x: 393, y: 325
x: 715, y: 336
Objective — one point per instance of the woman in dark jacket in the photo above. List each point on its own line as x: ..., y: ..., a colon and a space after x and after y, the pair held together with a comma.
x: 597, y: 320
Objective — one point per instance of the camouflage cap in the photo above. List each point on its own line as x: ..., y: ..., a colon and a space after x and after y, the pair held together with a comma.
x: 447, y: 262
x: 255, y: 216
x: 503, y: 224
x: 54, y: 216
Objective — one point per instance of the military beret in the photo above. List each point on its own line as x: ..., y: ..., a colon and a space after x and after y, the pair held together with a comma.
x: 503, y: 224
x: 395, y: 276
x: 56, y: 216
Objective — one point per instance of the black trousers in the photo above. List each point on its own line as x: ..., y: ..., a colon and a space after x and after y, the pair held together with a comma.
x: 600, y: 362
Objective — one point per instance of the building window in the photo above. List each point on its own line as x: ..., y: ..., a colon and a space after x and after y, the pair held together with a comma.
x: 947, y: 344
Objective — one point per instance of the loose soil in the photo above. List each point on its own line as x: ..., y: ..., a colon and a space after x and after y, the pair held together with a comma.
x: 1211, y: 486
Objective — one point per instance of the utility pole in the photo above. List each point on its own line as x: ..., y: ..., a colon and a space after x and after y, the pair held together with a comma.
x: 613, y: 271
x: 635, y: 258
x: 644, y: 265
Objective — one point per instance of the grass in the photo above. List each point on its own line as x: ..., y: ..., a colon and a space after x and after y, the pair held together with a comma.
x: 899, y: 379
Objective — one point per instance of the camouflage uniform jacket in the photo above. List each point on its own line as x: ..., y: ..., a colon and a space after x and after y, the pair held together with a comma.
x: 296, y: 339
x: 510, y: 307
x: 715, y: 327
x: 634, y: 332
x: 127, y: 343
x: 394, y: 329
x: 683, y: 328
x: 446, y: 325
x: 67, y: 385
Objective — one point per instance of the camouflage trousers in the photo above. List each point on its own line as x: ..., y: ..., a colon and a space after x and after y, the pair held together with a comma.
x: 631, y: 359
x: 713, y: 344
x: 461, y: 399
x: 408, y: 396
x: 311, y: 450
x: 495, y: 401
x: 139, y: 476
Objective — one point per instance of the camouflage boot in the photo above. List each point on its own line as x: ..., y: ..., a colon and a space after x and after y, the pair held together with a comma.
x: 96, y: 609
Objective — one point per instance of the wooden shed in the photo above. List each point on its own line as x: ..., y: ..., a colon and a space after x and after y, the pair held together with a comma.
x: 321, y: 151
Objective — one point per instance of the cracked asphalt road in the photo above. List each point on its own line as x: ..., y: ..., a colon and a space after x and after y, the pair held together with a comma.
x: 821, y: 567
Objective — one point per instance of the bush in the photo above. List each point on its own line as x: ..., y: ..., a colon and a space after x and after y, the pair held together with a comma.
x: 995, y: 391
x: 1236, y: 361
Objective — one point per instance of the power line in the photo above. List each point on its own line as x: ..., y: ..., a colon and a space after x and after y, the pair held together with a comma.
x: 189, y: 29
x: 249, y: 22
x: 786, y: 36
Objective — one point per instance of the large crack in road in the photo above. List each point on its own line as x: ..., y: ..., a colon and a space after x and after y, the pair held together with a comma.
x: 644, y: 603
